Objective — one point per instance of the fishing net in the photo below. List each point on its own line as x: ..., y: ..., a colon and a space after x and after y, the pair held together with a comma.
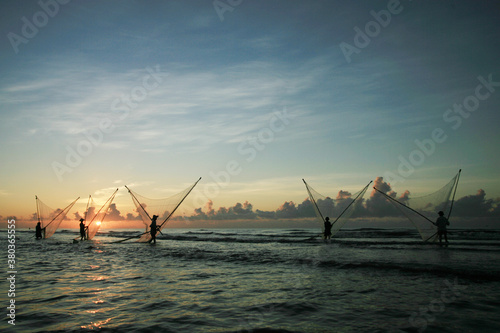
x: 338, y: 210
x: 94, y: 218
x: 423, y: 211
x: 49, y: 218
x: 163, y: 208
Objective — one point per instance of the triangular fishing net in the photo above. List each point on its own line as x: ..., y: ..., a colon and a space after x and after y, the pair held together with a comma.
x: 49, y: 218
x: 163, y: 208
x: 423, y: 211
x: 338, y: 210
x: 94, y: 217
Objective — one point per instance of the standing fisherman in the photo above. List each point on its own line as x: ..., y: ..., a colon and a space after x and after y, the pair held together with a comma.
x: 38, y: 231
x: 153, y: 229
x: 82, y: 230
x: 441, y: 224
x: 328, y: 229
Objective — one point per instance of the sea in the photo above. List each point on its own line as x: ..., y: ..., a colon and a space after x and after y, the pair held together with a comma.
x: 252, y: 280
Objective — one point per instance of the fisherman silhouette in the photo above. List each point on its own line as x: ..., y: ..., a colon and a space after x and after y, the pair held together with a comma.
x: 441, y: 224
x: 82, y: 229
x: 153, y: 229
x: 328, y: 228
x: 38, y: 231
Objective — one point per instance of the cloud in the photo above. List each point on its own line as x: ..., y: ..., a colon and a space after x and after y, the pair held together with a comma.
x: 342, y: 195
x: 404, y: 197
x: 378, y: 205
x: 114, y: 214
x: 68, y: 102
x: 375, y: 206
x: 236, y: 212
x: 477, y: 205
x: 245, y: 211
x: 132, y: 217
x: 287, y: 210
x: 78, y: 216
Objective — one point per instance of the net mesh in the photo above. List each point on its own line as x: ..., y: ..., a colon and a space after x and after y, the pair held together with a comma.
x: 423, y: 211
x: 95, y: 217
x: 339, y: 210
x: 49, y: 218
x: 163, y: 208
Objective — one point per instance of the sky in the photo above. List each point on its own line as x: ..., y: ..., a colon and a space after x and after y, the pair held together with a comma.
x: 252, y: 96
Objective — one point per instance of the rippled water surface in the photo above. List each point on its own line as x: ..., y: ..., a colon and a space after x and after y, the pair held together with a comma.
x: 277, y: 280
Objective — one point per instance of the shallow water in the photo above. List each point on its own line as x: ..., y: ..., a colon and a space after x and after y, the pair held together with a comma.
x: 276, y: 280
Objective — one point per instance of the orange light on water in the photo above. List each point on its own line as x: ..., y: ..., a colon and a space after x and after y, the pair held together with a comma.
x: 98, y: 324
x: 97, y: 278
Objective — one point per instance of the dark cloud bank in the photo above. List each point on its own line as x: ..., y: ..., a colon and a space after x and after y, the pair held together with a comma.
x: 471, y: 211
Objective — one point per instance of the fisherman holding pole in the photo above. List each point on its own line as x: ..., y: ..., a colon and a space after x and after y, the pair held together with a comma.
x: 441, y: 224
